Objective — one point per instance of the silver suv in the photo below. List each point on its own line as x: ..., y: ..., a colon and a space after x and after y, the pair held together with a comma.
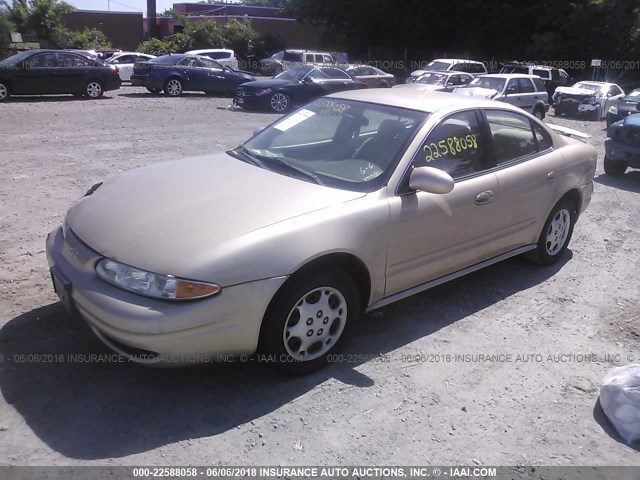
x: 551, y: 76
x: 298, y: 58
x: 525, y: 91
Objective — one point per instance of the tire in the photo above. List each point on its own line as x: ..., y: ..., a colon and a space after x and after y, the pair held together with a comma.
x: 556, y: 234
x: 538, y: 113
x: 93, y: 89
x: 155, y: 91
x: 557, y: 112
x: 614, y: 167
x: 301, y: 312
x: 173, y: 87
x: 5, y: 93
x: 279, y: 102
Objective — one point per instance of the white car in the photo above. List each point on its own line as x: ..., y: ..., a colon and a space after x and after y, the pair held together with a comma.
x: 589, y: 98
x: 223, y: 56
x: 446, y: 64
x: 125, y: 62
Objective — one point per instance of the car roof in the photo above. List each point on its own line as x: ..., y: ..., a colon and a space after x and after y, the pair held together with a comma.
x: 595, y: 82
x: 507, y: 75
x: 455, y: 60
x: 428, y: 102
x: 210, y: 50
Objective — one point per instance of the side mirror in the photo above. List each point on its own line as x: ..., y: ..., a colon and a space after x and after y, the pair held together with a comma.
x: 307, y: 80
x: 430, y: 180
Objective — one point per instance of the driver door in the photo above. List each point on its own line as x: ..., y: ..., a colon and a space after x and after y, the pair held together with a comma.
x: 432, y: 235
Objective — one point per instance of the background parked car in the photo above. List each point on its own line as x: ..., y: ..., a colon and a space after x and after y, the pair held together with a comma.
x: 626, y: 106
x: 623, y: 145
x: 299, y: 58
x: 125, y: 62
x: 179, y: 72
x: 223, y: 56
x: 372, y: 76
x: 295, y: 86
x: 525, y: 91
x: 588, y: 98
x: 271, y: 65
x: 459, y: 65
x: 439, y: 81
x: 44, y: 72
x: 551, y: 76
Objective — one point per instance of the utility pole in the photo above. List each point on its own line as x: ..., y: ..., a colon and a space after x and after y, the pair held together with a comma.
x: 152, y: 19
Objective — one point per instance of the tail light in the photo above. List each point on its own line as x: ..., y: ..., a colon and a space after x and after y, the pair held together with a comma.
x: 116, y: 72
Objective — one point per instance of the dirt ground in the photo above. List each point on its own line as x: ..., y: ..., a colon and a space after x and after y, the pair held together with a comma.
x: 547, y: 336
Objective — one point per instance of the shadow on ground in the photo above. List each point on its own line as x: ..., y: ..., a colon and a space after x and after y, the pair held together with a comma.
x: 630, y: 181
x: 56, y: 98
x: 601, y: 419
x: 102, y: 410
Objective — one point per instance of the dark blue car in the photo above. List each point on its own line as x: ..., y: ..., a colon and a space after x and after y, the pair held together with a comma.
x: 622, y: 148
x: 296, y: 86
x: 177, y: 72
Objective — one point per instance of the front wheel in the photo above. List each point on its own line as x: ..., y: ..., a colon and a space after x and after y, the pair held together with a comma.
x: 310, y: 319
x: 538, y: 113
x: 556, y: 234
x: 173, y: 87
x: 614, y: 167
x: 279, y: 102
x: 93, y: 89
x: 4, y: 92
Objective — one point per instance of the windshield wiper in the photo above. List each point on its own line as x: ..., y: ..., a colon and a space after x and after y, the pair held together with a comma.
x: 259, y: 160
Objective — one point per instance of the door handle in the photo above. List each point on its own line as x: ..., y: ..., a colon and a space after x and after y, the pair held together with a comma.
x: 551, y: 175
x: 484, y: 197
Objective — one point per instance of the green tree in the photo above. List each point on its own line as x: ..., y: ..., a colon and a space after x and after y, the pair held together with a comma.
x: 204, y: 34
x: 89, y: 38
x: 40, y: 17
x: 179, y: 42
x: 239, y: 36
x: 6, y: 27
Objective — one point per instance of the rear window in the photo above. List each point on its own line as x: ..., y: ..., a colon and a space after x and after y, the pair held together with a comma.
x: 166, y: 59
x: 541, y: 73
x: 217, y: 55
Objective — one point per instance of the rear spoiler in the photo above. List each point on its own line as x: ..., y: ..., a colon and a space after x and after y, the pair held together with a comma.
x: 569, y: 132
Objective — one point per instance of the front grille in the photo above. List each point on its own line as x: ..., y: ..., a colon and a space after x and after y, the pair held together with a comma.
x: 244, y: 93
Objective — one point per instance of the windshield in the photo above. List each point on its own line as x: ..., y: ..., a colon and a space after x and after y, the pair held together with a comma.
x: 17, y: 58
x: 436, y: 65
x: 338, y: 143
x: 432, y: 78
x: 293, y: 74
x: 493, y: 83
x: 166, y: 59
x: 596, y: 87
x: 633, y: 96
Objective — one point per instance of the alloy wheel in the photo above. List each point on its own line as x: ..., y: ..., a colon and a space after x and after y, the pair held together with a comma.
x: 279, y: 102
x: 4, y: 92
x: 174, y: 87
x: 94, y: 89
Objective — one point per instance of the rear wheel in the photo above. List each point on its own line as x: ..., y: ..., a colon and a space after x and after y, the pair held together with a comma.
x: 538, y: 113
x: 173, y: 87
x: 93, y: 89
x: 310, y: 318
x: 556, y: 234
x: 4, y: 92
x: 614, y: 167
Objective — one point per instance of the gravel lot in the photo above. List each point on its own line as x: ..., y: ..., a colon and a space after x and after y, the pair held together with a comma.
x: 537, y: 407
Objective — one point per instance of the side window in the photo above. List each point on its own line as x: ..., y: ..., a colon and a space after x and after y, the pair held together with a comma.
x: 539, y: 84
x: 189, y: 62
x: 453, y: 146
x: 126, y: 59
x: 512, y: 135
x: 208, y: 63
x: 70, y: 60
x: 308, y: 58
x: 512, y: 87
x: 44, y: 60
x: 525, y: 85
x: 461, y: 67
x: 454, y: 80
x: 464, y: 79
x: 327, y: 59
x: 336, y: 74
x: 542, y: 73
x: 542, y: 137
x: 615, y: 91
x: 478, y: 68
x: 317, y: 74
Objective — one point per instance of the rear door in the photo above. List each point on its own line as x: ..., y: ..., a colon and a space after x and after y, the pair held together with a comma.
x: 527, y: 168
x: 514, y: 96
x: 193, y: 75
x: 336, y: 81
x: 72, y: 72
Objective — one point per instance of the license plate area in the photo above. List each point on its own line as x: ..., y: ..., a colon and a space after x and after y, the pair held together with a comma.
x: 62, y: 287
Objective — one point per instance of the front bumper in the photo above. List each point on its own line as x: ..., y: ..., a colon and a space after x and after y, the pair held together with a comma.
x: 161, y: 332
x: 113, y: 84
x: 622, y: 152
x: 252, y: 102
x: 571, y: 106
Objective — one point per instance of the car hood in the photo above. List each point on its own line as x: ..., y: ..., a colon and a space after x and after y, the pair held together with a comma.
x: 476, y: 92
x: 166, y: 217
x: 274, y: 82
x: 421, y: 86
x: 583, y: 92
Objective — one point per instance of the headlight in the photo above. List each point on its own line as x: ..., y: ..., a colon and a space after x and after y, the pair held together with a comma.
x: 264, y: 91
x: 613, y: 109
x: 154, y: 285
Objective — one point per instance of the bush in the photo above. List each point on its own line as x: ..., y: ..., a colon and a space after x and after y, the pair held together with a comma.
x: 5, y: 34
x: 180, y: 42
x: 89, y: 38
